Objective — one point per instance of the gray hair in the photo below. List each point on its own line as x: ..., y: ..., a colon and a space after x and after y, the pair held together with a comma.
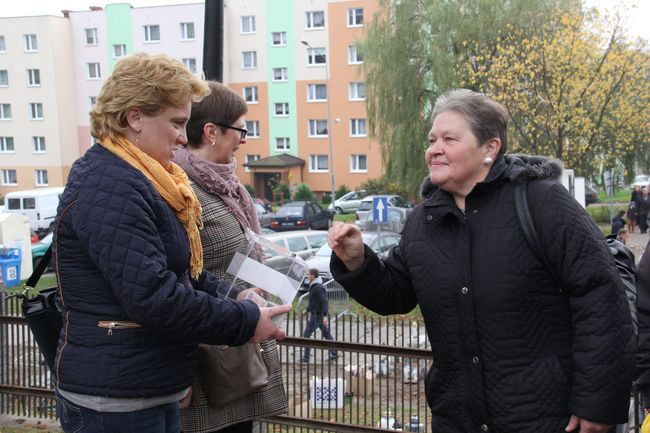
x: 487, y: 118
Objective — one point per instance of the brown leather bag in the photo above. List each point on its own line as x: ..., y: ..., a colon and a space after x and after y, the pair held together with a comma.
x: 228, y: 373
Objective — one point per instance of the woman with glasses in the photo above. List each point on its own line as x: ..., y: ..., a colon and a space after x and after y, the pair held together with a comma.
x: 135, y: 297
x: 215, y: 132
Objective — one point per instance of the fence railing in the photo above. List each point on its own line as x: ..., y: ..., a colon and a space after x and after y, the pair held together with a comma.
x: 376, y: 383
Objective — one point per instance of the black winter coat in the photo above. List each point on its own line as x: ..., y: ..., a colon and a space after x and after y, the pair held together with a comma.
x: 317, y: 298
x: 643, y: 303
x: 122, y: 255
x: 511, y: 352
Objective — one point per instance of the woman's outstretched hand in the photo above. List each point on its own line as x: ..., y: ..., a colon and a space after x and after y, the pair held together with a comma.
x: 346, y: 242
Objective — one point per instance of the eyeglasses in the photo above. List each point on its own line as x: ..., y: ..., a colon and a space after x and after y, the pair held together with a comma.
x: 242, y: 131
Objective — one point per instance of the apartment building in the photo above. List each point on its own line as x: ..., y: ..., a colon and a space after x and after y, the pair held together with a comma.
x: 38, y: 143
x: 296, y: 62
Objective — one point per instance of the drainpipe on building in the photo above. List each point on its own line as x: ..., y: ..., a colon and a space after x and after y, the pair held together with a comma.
x: 213, y: 41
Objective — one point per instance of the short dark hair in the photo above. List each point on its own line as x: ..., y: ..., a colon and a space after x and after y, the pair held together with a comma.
x: 223, y: 105
x: 487, y: 118
x: 314, y: 272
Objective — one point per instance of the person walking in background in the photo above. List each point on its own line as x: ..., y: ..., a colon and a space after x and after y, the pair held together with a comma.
x: 631, y: 216
x: 215, y: 131
x: 636, y: 190
x: 643, y: 209
x: 618, y: 222
x: 317, y: 310
x: 623, y: 236
x: 135, y: 298
x: 511, y: 352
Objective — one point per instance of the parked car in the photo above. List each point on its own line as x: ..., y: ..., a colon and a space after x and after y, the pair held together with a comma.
x: 591, y: 195
x: 641, y: 180
x: 300, y: 215
x: 394, y: 201
x: 321, y: 260
x: 40, y: 248
x: 348, y: 203
x: 303, y: 243
x: 396, y: 220
x: 263, y: 215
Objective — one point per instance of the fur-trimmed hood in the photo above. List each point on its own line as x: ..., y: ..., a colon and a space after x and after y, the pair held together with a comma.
x: 517, y: 168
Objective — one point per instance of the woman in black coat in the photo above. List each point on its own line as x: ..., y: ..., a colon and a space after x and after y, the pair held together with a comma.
x: 511, y: 352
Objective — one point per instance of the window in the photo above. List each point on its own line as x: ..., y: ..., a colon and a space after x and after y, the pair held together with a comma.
x: 7, y: 145
x: 119, y: 50
x: 316, y: 92
x: 318, y: 163
x: 250, y: 94
x: 152, y: 33
x: 318, y: 128
x: 316, y: 56
x: 190, y: 64
x: 3, y: 47
x: 357, y: 92
x: 282, y: 109
x: 36, y: 111
x: 355, y: 17
x: 253, y: 127
x: 4, y: 78
x: 280, y: 74
x: 91, y: 36
x: 33, y: 77
x: 250, y: 158
x: 31, y: 43
x: 94, y: 72
x: 315, y: 20
x: 358, y: 163
x: 38, y: 144
x: 248, y: 24
x: 92, y: 100
x: 279, y: 39
x: 249, y: 59
x: 187, y: 32
x: 282, y: 143
x: 5, y: 111
x: 357, y: 127
x: 40, y: 177
x: 355, y: 55
x: 9, y: 178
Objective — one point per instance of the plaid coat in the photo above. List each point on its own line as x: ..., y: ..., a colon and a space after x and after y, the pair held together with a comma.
x: 221, y: 235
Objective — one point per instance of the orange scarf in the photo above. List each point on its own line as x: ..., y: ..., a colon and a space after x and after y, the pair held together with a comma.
x: 173, y: 185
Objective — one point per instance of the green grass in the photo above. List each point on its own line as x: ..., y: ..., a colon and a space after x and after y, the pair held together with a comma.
x: 620, y: 196
x: 47, y: 280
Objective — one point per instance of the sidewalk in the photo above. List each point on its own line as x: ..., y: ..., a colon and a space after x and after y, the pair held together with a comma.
x: 638, y: 243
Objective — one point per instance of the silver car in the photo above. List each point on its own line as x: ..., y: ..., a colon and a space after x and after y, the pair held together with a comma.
x: 321, y: 260
x: 348, y: 203
x: 394, y: 201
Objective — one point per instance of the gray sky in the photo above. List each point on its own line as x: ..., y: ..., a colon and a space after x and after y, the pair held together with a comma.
x: 638, y: 18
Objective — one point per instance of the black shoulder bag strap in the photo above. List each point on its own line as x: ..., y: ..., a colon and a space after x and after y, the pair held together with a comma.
x: 38, y: 271
x: 528, y: 226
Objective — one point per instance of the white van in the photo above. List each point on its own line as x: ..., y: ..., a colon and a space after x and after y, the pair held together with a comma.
x: 39, y: 205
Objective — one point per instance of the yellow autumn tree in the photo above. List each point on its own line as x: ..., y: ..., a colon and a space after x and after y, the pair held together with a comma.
x: 577, y: 90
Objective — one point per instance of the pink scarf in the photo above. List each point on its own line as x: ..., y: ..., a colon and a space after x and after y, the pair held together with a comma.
x: 220, y: 180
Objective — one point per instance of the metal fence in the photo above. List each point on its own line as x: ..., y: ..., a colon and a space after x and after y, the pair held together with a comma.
x: 376, y: 383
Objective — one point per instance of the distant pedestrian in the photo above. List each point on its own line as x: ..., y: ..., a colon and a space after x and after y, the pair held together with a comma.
x: 623, y: 236
x: 631, y: 216
x: 643, y: 209
x: 317, y: 310
x: 618, y: 222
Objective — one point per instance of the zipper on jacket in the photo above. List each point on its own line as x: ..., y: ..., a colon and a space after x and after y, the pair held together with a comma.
x: 117, y: 324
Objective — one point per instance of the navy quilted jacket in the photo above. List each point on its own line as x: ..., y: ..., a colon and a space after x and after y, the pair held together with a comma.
x: 122, y: 255
x: 511, y: 352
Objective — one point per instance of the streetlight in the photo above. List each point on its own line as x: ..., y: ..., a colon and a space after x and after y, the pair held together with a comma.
x: 306, y: 43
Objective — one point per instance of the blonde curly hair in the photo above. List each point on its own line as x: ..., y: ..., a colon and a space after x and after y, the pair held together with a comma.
x: 148, y: 82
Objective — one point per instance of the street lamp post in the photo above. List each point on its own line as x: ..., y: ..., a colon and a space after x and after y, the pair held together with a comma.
x: 306, y: 43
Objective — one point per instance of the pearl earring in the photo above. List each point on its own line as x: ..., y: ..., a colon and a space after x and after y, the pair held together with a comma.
x: 213, y: 143
x: 488, y: 160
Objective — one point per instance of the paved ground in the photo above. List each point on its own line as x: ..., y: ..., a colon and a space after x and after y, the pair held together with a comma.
x: 638, y: 243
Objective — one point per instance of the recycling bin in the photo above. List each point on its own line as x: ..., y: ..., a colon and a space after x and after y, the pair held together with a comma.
x: 10, y: 264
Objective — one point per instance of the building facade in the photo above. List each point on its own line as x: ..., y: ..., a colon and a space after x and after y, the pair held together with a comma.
x: 296, y: 62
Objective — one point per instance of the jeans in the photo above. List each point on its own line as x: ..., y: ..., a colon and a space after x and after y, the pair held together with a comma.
x: 78, y: 419
x: 316, y: 321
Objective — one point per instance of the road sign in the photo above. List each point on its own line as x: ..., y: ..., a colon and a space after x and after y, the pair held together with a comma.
x: 380, y: 210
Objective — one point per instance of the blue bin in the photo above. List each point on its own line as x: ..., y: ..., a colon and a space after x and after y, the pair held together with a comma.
x: 10, y: 264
